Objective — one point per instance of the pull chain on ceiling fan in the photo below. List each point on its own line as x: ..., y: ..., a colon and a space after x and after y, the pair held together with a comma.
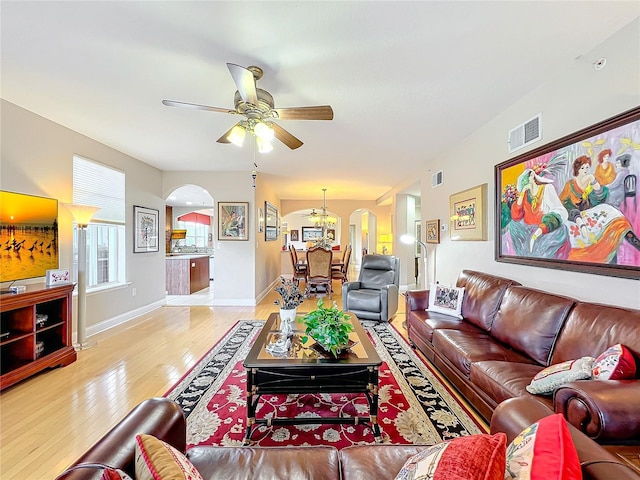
x: 258, y: 108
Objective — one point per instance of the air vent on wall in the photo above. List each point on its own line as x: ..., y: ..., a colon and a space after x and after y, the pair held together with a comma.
x: 526, y: 134
x: 437, y: 179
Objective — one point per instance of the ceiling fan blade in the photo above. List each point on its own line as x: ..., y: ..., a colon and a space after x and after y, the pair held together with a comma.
x: 285, y: 137
x: 223, y: 138
x: 320, y: 112
x: 171, y: 103
x: 245, y: 82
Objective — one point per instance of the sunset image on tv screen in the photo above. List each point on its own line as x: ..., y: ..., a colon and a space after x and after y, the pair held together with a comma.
x: 28, y: 236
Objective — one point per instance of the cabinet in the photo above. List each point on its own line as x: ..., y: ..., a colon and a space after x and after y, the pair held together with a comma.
x: 186, y: 274
x: 35, y: 332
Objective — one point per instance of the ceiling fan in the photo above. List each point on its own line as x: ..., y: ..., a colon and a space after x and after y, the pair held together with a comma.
x: 258, y: 108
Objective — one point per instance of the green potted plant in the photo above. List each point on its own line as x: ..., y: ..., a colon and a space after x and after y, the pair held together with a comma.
x: 291, y: 298
x: 329, y: 327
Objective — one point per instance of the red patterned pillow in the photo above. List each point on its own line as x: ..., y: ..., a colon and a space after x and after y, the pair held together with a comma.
x: 157, y: 460
x: 616, y: 363
x: 476, y: 457
x: 544, y: 451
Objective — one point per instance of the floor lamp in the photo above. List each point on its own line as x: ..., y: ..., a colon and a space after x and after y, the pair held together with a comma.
x: 409, y: 239
x: 82, y: 216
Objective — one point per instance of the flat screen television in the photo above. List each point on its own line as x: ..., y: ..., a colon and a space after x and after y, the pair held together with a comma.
x: 28, y: 236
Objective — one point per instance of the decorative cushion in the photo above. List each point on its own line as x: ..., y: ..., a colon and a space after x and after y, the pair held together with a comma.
x: 544, y: 451
x: 157, y: 460
x: 615, y: 363
x: 475, y: 457
x: 547, y: 380
x: 447, y: 300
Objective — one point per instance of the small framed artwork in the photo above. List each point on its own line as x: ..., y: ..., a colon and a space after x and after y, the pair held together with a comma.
x: 232, y: 220
x: 260, y: 220
x: 294, y: 235
x: 310, y: 234
x: 418, y: 235
x: 433, y: 231
x: 57, y: 277
x: 145, y: 231
x: 469, y: 214
x: 271, y: 222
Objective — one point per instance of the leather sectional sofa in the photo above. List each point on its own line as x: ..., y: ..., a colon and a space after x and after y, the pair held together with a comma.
x: 510, y: 332
x: 164, y: 419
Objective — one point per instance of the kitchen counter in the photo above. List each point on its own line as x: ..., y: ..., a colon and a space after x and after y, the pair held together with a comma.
x: 186, y: 274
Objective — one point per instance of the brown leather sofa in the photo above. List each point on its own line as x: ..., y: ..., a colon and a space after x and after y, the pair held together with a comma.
x: 510, y: 332
x: 164, y: 419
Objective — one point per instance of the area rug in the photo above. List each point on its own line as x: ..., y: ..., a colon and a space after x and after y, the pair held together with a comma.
x: 414, y: 406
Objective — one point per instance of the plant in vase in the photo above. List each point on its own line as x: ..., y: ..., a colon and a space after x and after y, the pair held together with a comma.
x: 291, y: 298
x: 329, y: 327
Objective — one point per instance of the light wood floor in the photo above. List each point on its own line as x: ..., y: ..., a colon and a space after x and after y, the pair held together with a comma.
x: 49, y: 420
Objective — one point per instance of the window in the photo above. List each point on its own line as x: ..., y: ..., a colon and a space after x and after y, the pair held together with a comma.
x: 197, y: 234
x: 104, y: 187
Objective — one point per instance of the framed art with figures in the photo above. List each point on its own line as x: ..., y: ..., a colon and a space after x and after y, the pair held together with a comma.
x: 433, y: 231
x: 573, y: 204
x: 468, y: 214
x: 232, y: 221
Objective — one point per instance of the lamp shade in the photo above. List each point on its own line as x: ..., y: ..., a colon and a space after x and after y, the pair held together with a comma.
x: 264, y: 146
x: 236, y: 136
x: 264, y: 131
x: 81, y: 213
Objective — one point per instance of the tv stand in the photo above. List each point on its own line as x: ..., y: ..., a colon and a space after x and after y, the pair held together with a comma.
x: 35, y: 332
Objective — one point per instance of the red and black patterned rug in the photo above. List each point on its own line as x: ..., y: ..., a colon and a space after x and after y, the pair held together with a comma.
x: 414, y: 406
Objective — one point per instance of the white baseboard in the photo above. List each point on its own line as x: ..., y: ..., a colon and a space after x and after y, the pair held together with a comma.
x: 120, y: 319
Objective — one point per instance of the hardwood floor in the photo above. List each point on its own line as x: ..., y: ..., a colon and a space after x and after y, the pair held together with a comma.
x: 49, y: 420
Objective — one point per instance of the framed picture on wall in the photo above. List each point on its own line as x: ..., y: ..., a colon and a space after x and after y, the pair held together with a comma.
x: 145, y: 231
x: 232, y: 221
x: 271, y: 222
x: 469, y: 214
x: 418, y: 234
x: 309, y: 234
x: 573, y: 204
x: 260, y: 220
x: 433, y: 231
x: 294, y: 235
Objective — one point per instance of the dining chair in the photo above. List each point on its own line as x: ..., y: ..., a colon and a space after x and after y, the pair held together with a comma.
x: 339, y: 271
x: 299, y: 270
x: 319, y: 268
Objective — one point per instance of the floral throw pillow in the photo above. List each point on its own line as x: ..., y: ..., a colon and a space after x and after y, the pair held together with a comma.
x: 447, y: 300
x: 547, y: 380
x: 475, y: 457
x: 543, y: 451
x: 615, y: 363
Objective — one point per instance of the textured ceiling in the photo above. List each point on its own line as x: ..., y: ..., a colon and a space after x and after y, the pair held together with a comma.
x: 406, y: 80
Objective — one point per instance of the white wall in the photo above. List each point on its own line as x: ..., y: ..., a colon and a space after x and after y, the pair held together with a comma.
x: 234, y: 261
x: 37, y: 158
x: 574, y: 99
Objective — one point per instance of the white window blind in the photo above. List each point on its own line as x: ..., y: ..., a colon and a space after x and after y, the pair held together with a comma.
x: 100, y: 186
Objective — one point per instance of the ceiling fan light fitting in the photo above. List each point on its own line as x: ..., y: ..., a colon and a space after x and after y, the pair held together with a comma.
x: 237, y: 134
x: 264, y: 146
x: 264, y: 131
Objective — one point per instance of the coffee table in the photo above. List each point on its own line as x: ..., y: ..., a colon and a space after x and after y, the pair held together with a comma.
x: 306, y: 368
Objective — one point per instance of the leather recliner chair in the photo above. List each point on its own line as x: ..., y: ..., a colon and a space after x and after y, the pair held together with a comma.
x: 375, y: 295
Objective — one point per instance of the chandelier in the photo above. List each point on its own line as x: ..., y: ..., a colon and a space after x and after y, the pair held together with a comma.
x: 323, y: 220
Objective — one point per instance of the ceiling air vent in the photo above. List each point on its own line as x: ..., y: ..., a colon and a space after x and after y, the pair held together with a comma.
x: 526, y: 134
x: 437, y: 179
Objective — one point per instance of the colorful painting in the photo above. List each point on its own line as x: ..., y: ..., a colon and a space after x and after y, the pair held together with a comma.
x: 468, y: 214
x: 28, y: 236
x: 232, y: 221
x: 573, y: 204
